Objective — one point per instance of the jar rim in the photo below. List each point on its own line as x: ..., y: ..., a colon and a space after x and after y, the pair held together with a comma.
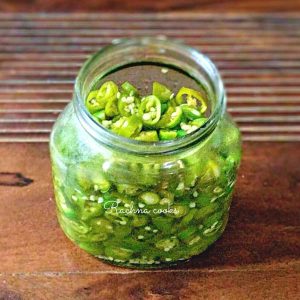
x: 110, y: 138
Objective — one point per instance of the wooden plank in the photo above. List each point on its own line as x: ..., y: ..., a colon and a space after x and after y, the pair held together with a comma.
x: 148, y: 5
x: 279, y: 284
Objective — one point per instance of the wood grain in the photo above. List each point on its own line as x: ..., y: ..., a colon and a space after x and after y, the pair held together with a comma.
x: 177, y: 285
x: 258, y: 256
x: 149, y: 5
x: 257, y: 54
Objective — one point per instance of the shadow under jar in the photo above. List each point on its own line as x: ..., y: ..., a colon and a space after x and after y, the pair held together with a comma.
x: 145, y: 204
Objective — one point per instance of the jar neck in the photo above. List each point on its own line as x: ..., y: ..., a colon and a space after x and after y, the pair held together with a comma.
x: 149, y: 50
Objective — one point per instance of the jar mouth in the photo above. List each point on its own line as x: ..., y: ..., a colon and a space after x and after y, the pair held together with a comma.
x: 123, y: 52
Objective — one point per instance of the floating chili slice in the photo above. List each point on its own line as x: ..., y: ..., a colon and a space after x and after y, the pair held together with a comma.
x: 150, y: 110
x: 192, y: 98
x: 161, y: 92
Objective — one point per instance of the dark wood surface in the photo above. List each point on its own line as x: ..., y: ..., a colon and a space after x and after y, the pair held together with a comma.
x: 258, y: 256
x: 149, y: 5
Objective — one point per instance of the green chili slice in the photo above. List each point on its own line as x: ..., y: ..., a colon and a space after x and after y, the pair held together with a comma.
x: 190, y: 112
x: 99, y: 115
x: 171, y: 118
x: 181, y: 133
x: 150, y: 110
x: 161, y: 92
x: 166, y: 135
x: 192, y: 98
x: 111, y: 108
x: 128, y: 126
x: 107, y: 92
x: 128, y: 105
x: 147, y: 136
x: 198, y: 122
x: 164, y: 107
x: 150, y: 198
x: 129, y: 89
x: 92, y: 104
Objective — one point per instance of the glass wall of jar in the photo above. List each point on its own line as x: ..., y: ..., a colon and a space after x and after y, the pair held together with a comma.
x: 144, y: 204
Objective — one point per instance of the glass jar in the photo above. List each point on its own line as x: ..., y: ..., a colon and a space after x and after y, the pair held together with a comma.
x: 144, y: 204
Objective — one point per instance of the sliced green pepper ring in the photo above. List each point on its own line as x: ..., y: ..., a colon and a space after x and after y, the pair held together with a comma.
x: 150, y: 110
x: 147, y: 136
x: 129, y: 89
x: 166, y: 135
x: 99, y: 115
x: 198, y: 122
x: 106, y: 93
x: 171, y: 118
x: 130, y: 126
x: 190, y: 112
x: 192, y: 98
x: 111, y: 107
x: 92, y: 104
x: 128, y: 105
x: 181, y: 133
x: 164, y: 107
x: 161, y: 92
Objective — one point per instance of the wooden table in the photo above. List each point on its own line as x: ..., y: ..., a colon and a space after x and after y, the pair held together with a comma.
x: 258, y: 256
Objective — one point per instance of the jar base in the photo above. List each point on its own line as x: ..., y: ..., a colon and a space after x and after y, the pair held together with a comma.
x: 137, y: 263
x: 142, y: 266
